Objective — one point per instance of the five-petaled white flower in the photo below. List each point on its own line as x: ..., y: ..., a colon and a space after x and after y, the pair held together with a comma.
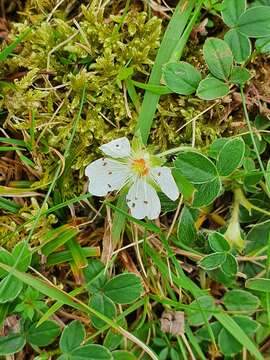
x: 134, y: 168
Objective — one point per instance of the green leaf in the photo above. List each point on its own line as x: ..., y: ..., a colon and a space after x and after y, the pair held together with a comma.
x: 239, y: 44
x: 10, y: 288
x: 167, y: 205
x: 216, y: 146
x: 206, y: 193
x: 105, y: 306
x: 255, y: 22
x: 239, y: 76
x: 217, y: 242
x: 231, y: 11
x: 182, y: 78
x: 62, y: 357
x: 62, y: 297
x: 203, y: 309
x: 163, y: 355
x: 112, y: 340
x: 186, y: 232
x: 260, y: 284
x: 260, y: 2
x: 5, y: 258
x: 241, y: 300
x: 256, y: 238
x: 174, y: 354
x: 185, y: 187
x: 212, y: 261
x: 123, y: 355
x: 72, y: 336
x: 204, y: 334
x: 91, y: 352
x: 263, y: 45
x: 249, y: 325
x: 227, y: 343
x: 211, y: 88
x: 123, y: 288
x: 22, y: 253
x: 11, y: 344
x: 230, y: 156
x: 230, y: 265
x: 95, y: 276
x: 196, y: 167
x: 218, y: 57
x: 238, y: 333
x: 43, y: 335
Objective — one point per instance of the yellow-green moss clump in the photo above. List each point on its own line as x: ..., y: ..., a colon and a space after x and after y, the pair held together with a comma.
x: 57, y: 59
x: 42, y: 85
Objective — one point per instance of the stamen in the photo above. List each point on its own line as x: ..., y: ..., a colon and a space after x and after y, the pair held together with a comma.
x: 140, y: 166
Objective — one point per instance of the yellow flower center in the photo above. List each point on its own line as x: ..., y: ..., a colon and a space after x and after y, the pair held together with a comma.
x: 140, y: 167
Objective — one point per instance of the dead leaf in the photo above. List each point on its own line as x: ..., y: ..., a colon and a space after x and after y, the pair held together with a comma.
x: 173, y: 322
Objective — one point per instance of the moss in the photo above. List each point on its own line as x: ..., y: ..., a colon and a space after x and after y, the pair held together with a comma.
x: 94, y: 54
x: 59, y: 56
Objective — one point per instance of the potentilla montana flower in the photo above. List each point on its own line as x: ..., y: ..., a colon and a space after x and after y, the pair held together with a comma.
x: 136, y: 169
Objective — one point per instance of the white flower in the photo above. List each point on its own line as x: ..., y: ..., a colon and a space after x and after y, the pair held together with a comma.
x: 137, y: 169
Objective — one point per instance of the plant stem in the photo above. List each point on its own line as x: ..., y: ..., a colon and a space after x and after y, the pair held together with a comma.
x: 175, y: 150
x: 251, y: 132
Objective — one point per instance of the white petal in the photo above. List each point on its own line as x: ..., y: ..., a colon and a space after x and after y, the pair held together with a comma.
x: 143, y: 201
x: 106, y: 175
x: 163, y: 177
x: 117, y: 148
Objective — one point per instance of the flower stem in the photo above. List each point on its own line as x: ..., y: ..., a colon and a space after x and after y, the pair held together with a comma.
x: 175, y: 150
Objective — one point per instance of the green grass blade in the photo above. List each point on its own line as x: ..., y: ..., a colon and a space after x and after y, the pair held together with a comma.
x: 9, y: 205
x: 133, y: 94
x: 65, y: 256
x: 170, y: 40
x: 55, y: 307
x: 77, y: 254
x: 8, y: 50
x: 10, y: 148
x: 155, y: 89
x: 15, y: 192
x: 55, y: 238
x: 194, y: 342
x: 12, y: 141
